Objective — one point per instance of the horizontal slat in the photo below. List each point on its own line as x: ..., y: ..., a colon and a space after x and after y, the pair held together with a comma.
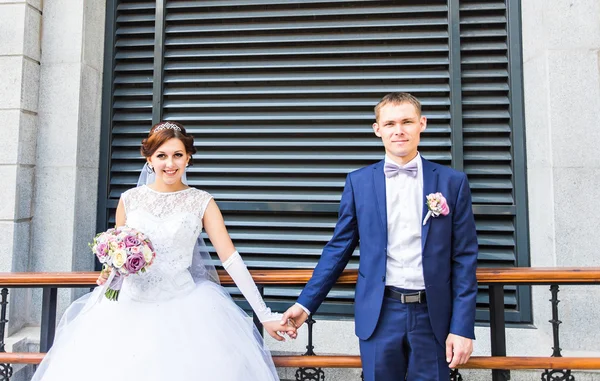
x: 486, y: 224
x: 147, y: 29
x: 200, y: 41
x: 137, y: 6
x: 495, y: 239
x: 494, y: 127
x: 134, y: 54
x: 311, y: 50
x: 270, y: 116
x: 298, y: 62
x: 135, y: 42
x: 481, y: 6
x: 434, y: 127
x: 307, y: 77
x: 281, y: 156
x: 483, y: 86
x: 315, y: 89
x: 469, y: 19
x: 481, y: 155
x: 488, y: 170
x: 145, y: 91
x: 480, y: 59
x: 135, y: 18
x: 483, y: 197
x: 173, y: 4
x: 298, y: 142
x: 346, y: 24
x: 489, y: 31
x: 124, y: 68
x: 282, y: 14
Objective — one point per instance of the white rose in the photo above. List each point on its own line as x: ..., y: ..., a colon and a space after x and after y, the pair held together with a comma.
x: 119, y: 258
x: 147, y: 254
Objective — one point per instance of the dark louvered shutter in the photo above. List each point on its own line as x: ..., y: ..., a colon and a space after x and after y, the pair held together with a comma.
x: 492, y: 141
x: 132, y: 84
x: 279, y: 96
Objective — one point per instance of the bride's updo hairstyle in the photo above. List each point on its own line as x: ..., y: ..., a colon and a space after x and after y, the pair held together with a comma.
x: 163, y: 131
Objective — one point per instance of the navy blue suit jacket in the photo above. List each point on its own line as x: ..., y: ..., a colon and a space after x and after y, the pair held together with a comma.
x: 449, y: 250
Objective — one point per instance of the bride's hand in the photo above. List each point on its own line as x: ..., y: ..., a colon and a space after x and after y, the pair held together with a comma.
x: 274, y: 329
x: 102, y: 278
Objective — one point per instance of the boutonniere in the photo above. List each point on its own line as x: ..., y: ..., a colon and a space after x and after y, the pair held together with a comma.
x: 437, y: 205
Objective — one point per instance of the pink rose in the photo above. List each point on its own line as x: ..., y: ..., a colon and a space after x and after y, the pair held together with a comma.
x: 131, y: 240
x: 134, y: 263
x: 444, y: 208
x: 102, y: 249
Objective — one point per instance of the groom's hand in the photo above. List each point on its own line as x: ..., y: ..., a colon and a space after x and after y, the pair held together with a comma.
x: 295, y: 315
x: 458, y: 350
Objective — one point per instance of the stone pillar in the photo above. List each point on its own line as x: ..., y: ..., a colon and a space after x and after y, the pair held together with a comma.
x: 20, y: 23
x: 66, y: 175
x: 561, y: 55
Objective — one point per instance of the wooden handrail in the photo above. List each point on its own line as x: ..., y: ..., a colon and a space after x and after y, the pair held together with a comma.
x: 476, y: 362
x: 539, y: 275
x: 21, y: 358
x: 519, y: 275
x: 509, y: 362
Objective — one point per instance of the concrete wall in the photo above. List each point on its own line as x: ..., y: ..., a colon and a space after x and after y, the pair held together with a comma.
x: 68, y: 139
x: 51, y: 62
x: 20, y: 53
x: 561, y: 46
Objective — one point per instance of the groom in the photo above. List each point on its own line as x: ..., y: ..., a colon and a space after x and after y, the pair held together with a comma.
x: 416, y: 287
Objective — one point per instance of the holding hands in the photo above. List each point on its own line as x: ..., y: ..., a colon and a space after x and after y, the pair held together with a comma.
x: 278, y: 330
x: 295, y: 316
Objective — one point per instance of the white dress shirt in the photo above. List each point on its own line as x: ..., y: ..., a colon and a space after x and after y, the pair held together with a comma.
x: 404, y: 209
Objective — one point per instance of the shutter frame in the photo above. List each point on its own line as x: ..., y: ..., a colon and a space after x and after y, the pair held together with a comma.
x: 286, y: 94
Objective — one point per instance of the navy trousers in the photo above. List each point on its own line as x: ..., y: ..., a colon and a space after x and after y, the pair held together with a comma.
x: 403, y: 346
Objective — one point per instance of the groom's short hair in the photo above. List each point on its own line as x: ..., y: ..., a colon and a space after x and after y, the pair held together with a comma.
x: 396, y: 99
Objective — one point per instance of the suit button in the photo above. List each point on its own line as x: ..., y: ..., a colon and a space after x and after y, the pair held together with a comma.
x: 383, y: 278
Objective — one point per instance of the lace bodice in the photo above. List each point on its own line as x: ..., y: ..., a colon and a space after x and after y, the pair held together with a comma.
x: 172, y: 221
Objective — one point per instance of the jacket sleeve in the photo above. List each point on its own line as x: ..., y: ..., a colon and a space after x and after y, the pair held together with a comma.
x: 464, y: 264
x: 335, y: 255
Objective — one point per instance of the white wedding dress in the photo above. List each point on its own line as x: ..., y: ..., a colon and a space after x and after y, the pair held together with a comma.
x: 165, y: 326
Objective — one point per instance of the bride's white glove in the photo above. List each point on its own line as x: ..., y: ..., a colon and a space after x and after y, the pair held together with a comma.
x: 238, y: 271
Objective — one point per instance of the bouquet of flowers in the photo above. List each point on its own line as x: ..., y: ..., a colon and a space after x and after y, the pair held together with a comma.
x: 122, y: 251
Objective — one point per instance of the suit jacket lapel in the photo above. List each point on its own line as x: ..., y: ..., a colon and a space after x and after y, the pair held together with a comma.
x: 379, y: 185
x: 430, y: 179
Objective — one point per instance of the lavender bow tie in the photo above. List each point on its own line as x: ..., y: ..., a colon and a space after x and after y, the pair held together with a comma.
x: 391, y: 169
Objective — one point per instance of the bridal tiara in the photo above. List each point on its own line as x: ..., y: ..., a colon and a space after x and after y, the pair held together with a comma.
x: 167, y: 126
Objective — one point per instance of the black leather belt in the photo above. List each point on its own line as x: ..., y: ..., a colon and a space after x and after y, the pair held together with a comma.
x: 417, y: 297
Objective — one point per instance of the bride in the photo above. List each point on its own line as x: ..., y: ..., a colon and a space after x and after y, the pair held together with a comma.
x: 173, y: 322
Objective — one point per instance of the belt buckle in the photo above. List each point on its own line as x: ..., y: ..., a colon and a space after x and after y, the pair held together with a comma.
x: 410, y: 298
